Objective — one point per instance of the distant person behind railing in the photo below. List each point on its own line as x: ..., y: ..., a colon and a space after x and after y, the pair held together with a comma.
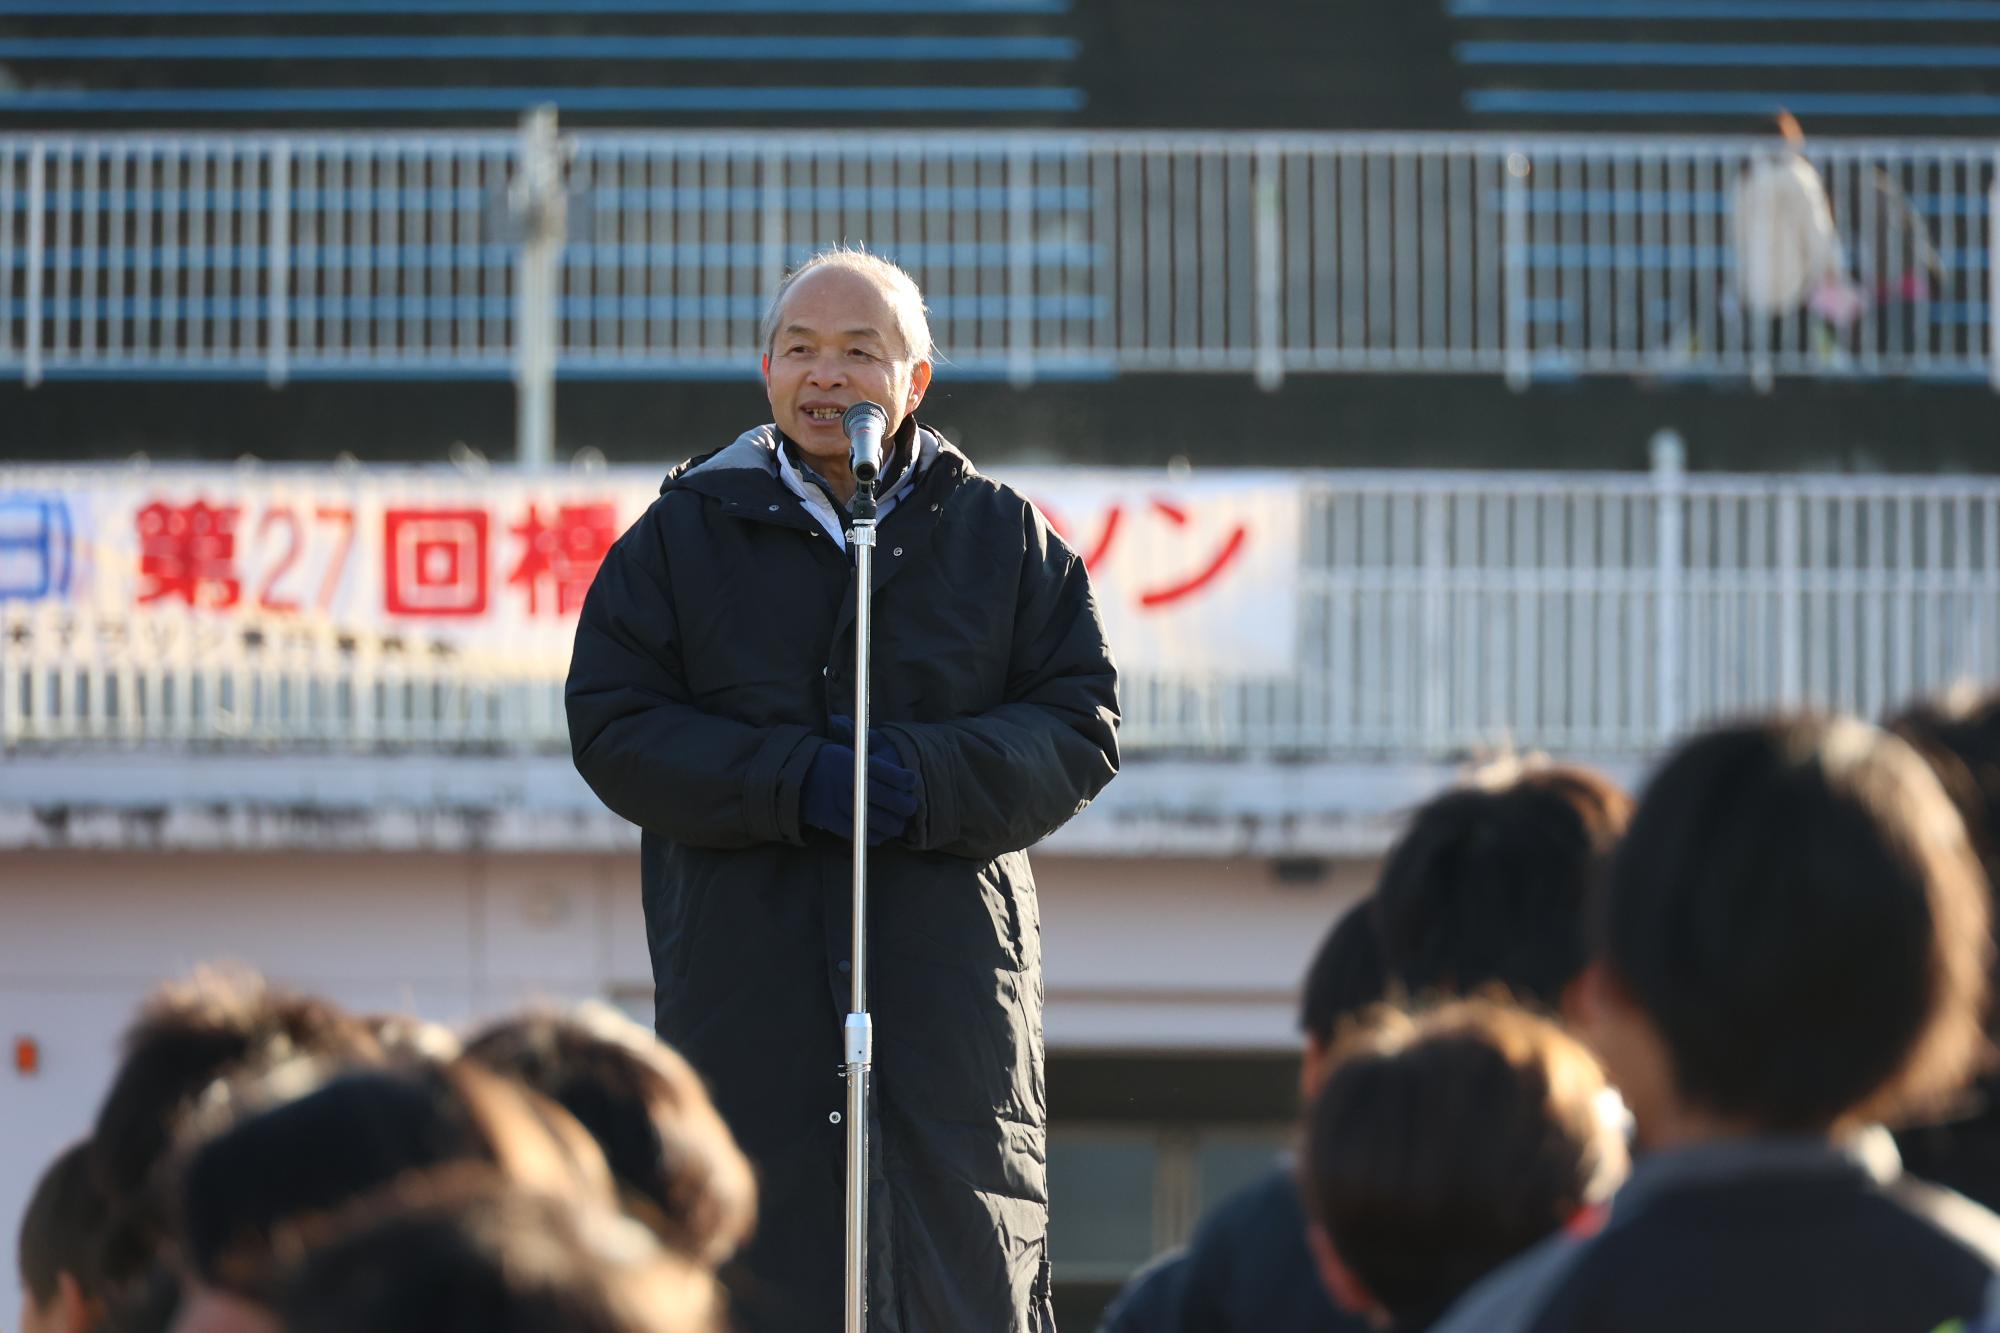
x: 1791, y: 257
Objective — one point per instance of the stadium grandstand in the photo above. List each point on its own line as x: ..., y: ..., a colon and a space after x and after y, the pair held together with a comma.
x: 1421, y: 382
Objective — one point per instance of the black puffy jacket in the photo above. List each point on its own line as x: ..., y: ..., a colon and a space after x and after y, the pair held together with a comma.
x: 714, y: 644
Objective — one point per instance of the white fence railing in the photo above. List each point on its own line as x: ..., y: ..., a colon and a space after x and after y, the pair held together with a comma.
x: 1042, y: 254
x: 1438, y: 613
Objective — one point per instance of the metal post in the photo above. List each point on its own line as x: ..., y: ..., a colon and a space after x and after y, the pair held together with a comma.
x: 31, y: 361
x: 1791, y: 616
x: 1515, y: 355
x: 860, y: 1028
x: 1020, y: 268
x: 1993, y: 276
x: 277, y: 317
x: 1269, y: 361
x: 537, y: 207
x: 1669, y: 473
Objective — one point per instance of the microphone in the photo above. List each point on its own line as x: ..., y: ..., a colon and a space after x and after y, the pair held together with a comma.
x: 864, y: 424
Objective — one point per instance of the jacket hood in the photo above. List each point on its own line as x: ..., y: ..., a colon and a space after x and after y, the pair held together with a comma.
x: 752, y: 451
x: 752, y: 457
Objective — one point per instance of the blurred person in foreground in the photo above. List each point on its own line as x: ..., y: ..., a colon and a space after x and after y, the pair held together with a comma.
x: 1959, y: 735
x: 58, y: 1242
x: 1247, y: 1265
x: 269, y: 1176
x: 473, y: 1254
x: 189, y: 1036
x: 1791, y: 947
x: 710, y: 698
x: 1443, y: 1144
x: 1486, y: 887
x: 675, y: 1162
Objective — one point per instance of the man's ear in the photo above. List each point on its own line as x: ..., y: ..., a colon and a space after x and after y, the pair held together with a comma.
x: 71, y: 1311
x: 920, y: 380
x: 1594, y: 998
x: 1347, y: 1290
x: 766, y: 363
x: 1315, y: 1062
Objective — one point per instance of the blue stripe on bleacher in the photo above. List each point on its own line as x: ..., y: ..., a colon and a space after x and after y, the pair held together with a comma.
x: 1668, y: 255
x: 392, y: 308
x: 1546, y: 201
x: 338, y: 200
x: 753, y: 198
x: 1871, y: 11
x: 1592, y: 254
x: 538, y: 48
x: 1666, y: 102
x: 346, y: 100
x: 171, y: 7
x: 1711, y: 54
x: 577, y: 254
x: 1046, y: 365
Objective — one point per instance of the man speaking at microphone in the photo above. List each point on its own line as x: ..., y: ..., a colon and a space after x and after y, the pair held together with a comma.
x: 709, y: 699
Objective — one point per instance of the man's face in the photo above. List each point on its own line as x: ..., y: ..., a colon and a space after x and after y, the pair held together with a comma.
x: 837, y: 345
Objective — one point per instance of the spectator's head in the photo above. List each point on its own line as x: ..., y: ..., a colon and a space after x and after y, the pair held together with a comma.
x: 406, y: 1039
x: 1959, y: 735
x: 357, y: 1134
x: 189, y: 1035
x: 1488, y: 885
x: 668, y: 1148
x: 1443, y: 1144
x: 1792, y: 937
x: 496, y: 1259
x: 59, y: 1292
x: 1344, y: 978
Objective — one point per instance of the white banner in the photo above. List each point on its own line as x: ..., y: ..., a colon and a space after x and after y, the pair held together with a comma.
x: 1194, y: 575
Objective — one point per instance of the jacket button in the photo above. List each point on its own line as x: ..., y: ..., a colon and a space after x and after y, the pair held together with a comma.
x: 843, y: 964
x: 827, y: 672
x: 774, y: 509
x: 897, y: 551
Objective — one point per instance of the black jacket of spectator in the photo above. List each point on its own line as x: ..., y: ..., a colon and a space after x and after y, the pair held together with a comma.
x: 714, y: 645
x: 1148, y: 1301
x: 1248, y: 1269
x: 1751, y: 1236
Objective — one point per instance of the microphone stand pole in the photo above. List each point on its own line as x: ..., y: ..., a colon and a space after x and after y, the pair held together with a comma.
x: 860, y: 1027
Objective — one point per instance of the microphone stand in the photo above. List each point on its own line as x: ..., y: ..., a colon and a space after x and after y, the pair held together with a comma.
x: 860, y: 1027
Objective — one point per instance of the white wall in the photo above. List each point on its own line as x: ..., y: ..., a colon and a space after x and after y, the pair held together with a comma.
x: 1197, y: 954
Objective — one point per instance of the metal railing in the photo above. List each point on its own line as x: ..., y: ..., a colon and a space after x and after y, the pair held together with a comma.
x: 1041, y: 254
x: 1439, y: 613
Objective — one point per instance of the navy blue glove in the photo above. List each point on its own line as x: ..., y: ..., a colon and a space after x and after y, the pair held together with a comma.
x: 841, y: 728
x: 826, y: 799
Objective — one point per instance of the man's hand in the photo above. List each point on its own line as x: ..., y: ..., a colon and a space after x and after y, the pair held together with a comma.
x: 826, y: 800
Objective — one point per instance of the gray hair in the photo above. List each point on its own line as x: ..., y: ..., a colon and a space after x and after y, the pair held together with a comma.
x: 906, y: 300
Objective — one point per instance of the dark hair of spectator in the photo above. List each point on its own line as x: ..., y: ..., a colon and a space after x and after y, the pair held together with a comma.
x: 495, y: 1259
x: 1490, y: 883
x: 60, y: 1227
x: 408, y: 1040
x: 667, y: 1146
x: 1959, y: 735
x: 1444, y: 1144
x: 357, y: 1134
x: 189, y: 1034
x: 1796, y: 909
x: 1344, y: 977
